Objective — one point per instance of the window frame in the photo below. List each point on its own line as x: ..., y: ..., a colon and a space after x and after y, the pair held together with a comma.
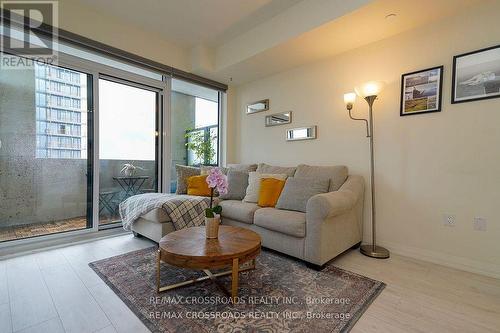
x: 95, y: 70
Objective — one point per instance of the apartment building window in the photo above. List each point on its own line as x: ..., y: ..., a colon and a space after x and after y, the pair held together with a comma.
x: 60, y: 102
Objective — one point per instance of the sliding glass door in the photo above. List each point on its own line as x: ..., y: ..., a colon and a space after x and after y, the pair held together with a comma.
x: 80, y: 137
x: 128, y: 143
x: 49, y: 123
x: 45, y: 151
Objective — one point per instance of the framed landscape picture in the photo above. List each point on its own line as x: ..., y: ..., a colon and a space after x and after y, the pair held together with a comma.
x: 421, y: 91
x: 476, y: 75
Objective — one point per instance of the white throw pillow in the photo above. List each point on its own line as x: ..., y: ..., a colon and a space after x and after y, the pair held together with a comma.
x: 252, y: 194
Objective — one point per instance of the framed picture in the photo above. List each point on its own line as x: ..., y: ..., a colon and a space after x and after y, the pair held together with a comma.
x: 421, y: 91
x: 476, y: 75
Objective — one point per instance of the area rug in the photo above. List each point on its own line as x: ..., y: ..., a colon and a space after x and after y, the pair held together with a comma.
x: 280, y: 295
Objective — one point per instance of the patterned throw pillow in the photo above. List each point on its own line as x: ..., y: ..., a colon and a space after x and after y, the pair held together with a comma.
x: 252, y: 193
x: 197, y: 185
x: 269, y: 192
x: 183, y: 173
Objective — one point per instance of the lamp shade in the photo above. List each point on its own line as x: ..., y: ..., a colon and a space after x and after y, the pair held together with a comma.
x: 372, y: 88
x: 349, y: 98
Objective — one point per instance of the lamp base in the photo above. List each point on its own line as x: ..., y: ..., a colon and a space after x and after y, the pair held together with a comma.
x: 376, y: 251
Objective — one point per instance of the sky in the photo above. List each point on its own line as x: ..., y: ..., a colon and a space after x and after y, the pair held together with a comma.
x: 206, y: 113
x: 127, y: 121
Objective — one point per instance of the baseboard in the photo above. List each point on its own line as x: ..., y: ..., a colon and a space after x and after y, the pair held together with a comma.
x: 464, y: 264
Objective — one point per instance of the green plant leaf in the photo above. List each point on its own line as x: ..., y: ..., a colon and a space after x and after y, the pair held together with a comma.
x: 209, y: 213
x: 217, y: 209
x: 202, y: 146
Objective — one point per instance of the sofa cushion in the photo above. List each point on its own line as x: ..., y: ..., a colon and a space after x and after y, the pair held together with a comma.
x: 297, y: 192
x: 242, y: 167
x: 237, y: 185
x: 284, y: 221
x: 183, y: 173
x: 337, y: 174
x: 238, y: 210
x: 252, y: 192
x: 266, y: 168
x: 158, y: 215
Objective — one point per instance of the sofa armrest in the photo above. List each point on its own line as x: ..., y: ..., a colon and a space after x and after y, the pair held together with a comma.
x: 333, y: 221
x: 327, y: 205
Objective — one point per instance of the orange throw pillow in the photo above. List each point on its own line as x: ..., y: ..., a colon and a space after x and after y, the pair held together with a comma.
x: 197, y: 185
x: 269, y: 192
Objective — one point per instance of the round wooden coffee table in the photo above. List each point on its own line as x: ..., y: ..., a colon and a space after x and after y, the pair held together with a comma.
x: 189, y: 248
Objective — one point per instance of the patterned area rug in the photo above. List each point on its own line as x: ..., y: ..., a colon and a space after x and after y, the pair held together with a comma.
x: 280, y: 295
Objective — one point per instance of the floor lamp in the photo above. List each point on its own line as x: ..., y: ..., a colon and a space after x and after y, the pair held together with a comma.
x: 369, y: 92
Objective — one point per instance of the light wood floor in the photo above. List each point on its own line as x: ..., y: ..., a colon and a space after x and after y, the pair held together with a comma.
x: 424, y: 297
x: 55, y: 291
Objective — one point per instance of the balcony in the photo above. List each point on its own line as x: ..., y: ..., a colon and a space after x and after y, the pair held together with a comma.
x: 51, y: 196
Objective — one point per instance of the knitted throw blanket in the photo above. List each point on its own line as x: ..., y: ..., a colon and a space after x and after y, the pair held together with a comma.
x: 184, y: 210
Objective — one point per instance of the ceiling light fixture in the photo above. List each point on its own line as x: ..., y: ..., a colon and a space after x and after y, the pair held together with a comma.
x: 390, y: 16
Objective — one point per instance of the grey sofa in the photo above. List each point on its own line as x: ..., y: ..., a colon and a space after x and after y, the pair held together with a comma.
x: 331, y: 224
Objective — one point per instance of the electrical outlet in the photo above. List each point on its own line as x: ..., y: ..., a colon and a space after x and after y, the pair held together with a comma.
x: 480, y: 224
x: 449, y: 220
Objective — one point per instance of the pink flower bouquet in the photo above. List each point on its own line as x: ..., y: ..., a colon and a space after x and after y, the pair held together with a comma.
x: 216, y: 180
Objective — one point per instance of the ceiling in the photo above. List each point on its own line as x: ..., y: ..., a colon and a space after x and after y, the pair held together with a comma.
x: 191, y: 22
x: 237, y: 41
x: 360, y: 27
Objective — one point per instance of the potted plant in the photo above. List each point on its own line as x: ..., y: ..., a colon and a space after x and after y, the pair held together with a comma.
x: 202, y: 144
x: 216, y: 180
x: 129, y: 170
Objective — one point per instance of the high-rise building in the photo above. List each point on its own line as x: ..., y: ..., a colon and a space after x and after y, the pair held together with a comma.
x: 61, y: 112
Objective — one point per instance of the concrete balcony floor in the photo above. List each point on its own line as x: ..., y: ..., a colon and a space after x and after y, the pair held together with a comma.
x: 40, y: 229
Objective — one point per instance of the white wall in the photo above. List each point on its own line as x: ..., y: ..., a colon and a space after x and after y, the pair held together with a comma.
x: 426, y: 165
